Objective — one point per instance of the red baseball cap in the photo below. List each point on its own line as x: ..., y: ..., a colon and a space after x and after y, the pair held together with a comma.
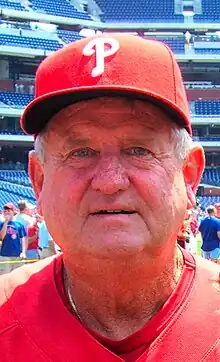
x: 107, y: 65
x: 9, y: 206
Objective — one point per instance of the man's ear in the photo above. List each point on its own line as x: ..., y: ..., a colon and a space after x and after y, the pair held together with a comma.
x: 36, y: 174
x: 193, y: 168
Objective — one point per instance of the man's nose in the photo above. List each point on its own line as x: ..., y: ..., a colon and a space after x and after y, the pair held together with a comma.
x: 110, y: 176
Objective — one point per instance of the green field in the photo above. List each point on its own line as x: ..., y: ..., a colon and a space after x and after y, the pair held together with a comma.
x: 199, y: 244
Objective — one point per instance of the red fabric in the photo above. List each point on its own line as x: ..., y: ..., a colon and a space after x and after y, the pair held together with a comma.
x: 194, y: 226
x: 139, y: 66
x: 35, y: 321
x: 182, y: 231
x: 31, y: 232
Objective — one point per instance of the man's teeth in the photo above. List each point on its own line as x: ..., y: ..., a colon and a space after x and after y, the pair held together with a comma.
x: 115, y: 212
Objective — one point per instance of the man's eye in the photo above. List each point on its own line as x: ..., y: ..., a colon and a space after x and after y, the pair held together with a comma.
x: 136, y: 151
x: 83, y: 152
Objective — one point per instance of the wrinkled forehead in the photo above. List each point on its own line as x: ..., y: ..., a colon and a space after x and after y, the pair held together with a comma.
x: 110, y: 113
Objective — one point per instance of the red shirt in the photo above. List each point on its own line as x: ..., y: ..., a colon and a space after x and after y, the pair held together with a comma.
x: 194, y: 225
x: 35, y: 321
x: 31, y: 232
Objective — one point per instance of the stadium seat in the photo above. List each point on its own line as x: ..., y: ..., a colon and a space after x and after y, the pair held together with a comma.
x: 15, y: 5
x: 29, y: 42
x: 177, y: 45
x: 207, y: 51
x: 21, y: 192
x: 209, y: 200
x: 207, y: 107
x: 152, y: 11
x: 68, y: 36
x: 211, y: 176
x: 59, y: 8
x: 210, y: 12
x: 15, y: 100
x: 17, y: 177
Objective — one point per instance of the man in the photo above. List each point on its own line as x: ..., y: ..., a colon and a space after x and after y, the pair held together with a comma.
x: 25, y: 218
x: 13, y: 237
x: 1, y: 217
x: 210, y: 231
x: 217, y: 207
x: 194, y: 226
x: 24, y: 214
x: 46, y: 243
x: 33, y: 239
x: 183, y: 235
x: 114, y: 171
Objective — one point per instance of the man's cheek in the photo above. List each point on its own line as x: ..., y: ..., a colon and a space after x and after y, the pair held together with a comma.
x: 154, y: 191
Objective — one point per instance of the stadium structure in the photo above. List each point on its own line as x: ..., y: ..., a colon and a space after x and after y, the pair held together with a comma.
x: 32, y: 29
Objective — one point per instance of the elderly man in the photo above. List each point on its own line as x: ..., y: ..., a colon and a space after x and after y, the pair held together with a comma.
x: 114, y: 171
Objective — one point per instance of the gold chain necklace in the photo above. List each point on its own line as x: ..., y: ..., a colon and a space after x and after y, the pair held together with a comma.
x: 73, y: 305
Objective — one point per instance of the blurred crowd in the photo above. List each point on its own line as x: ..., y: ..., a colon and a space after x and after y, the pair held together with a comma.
x: 201, y: 229
x: 23, y: 236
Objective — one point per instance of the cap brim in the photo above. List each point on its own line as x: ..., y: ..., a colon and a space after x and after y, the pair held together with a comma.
x: 38, y: 113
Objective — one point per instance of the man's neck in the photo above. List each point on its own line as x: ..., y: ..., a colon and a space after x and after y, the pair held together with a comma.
x: 119, y: 308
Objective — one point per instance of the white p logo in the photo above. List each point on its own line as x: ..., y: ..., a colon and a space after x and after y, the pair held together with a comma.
x: 97, y: 47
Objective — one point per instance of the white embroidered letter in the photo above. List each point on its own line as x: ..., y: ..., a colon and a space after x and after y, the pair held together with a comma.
x: 97, y: 47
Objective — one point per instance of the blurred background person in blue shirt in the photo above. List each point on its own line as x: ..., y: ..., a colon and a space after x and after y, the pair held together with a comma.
x: 210, y: 231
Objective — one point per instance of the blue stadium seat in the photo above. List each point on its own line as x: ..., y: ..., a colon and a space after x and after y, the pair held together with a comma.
x: 7, y: 196
x: 207, y: 107
x: 152, y: 11
x: 12, y: 132
x: 206, y: 51
x: 59, y: 8
x: 68, y: 36
x: 210, y: 12
x: 15, y: 100
x: 209, y: 138
x: 28, y: 42
x: 5, y: 4
x: 177, y: 45
x: 209, y: 200
x: 21, y: 191
x: 211, y: 176
x: 14, y: 176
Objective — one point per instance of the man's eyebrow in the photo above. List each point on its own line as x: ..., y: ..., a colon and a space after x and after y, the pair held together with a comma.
x: 76, y: 141
x: 140, y: 139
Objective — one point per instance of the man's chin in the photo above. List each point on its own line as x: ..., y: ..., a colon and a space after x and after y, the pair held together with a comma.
x: 116, y: 243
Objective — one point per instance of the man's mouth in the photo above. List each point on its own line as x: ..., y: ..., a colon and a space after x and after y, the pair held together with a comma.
x: 112, y: 212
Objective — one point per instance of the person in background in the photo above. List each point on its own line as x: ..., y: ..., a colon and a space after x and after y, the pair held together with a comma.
x: 33, y: 239
x: 210, y: 231
x: 217, y: 207
x: 24, y: 214
x: 183, y: 236
x: 194, y: 224
x: 13, y: 237
x: 1, y: 217
x: 216, y: 282
x: 46, y: 244
x: 193, y: 228
x: 31, y: 209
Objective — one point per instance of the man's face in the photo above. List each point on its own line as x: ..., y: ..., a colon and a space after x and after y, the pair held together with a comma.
x: 111, y: 183
x: 8, y: 213
x: 29, y: 211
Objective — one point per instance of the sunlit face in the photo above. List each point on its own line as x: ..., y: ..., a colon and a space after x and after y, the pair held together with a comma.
x: 112, y: 183
x: 8, y: 212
